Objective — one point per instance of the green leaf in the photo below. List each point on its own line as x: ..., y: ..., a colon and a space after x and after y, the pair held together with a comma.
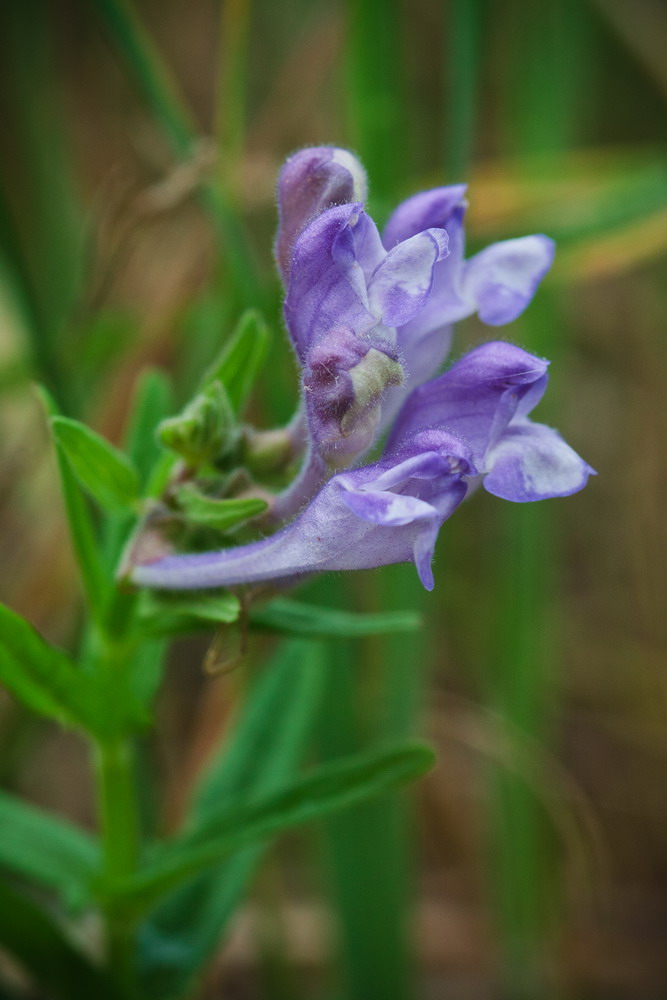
x: 172, y: 614
x: 51, y: 959
x: 82, y: 532
x: 185, y: 929
x: 47, y: 850
x: 333, y: 786
x: 297, y: 618
x: 46, y: 681
x: 43, y: 677
x: 106, y: 473
x: 218, y: 514
x: 241, y: 359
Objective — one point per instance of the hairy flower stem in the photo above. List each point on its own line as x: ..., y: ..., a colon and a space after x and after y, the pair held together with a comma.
x: 119, y: 823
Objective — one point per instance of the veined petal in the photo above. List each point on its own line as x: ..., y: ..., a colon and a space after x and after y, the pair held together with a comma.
x: 533, y: 462
x: 476, y: 399
x: 502, y: 279
x: 402, y: 283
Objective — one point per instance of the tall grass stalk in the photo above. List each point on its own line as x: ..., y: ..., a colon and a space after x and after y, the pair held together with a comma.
x: 376, y: 97
x: 40, y: 220
x: 541, y: 113
x: 163, y: 97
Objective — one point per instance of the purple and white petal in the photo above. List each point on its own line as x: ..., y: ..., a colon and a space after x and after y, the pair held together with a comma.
x: 400, y: 286
x: 311, y: 181
x: 332, y: 260
x: 426, y: 210
x: 533, y: 462
x: 502, y: 279
x: 476, y: 399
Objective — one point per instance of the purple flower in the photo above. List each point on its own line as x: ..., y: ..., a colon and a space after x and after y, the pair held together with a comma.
x: 371, y: 318
x: 468, y: 426
x: 346, y: 297
x: 497, y: 283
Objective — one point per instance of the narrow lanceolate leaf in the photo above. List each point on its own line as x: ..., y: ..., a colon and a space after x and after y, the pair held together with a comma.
x: 297, y: 618
x: 82, y: 532
x: 47, y: 850
x: 39, y: 944
x: 47, y: 682
x: 106, y: 473
x: 329, y: 788
x: 184, y: 930
x: 241, y: 359
x: 172, y: 614
x: 41, y: 676
x: 220, y: 515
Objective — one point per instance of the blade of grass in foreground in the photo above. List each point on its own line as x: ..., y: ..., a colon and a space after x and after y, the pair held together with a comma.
x: 464, y: 31
x: 539, y: 119
x: 374, y: 83
x: 40, y: 224
x: 374, y: 691
x: 183, y: 931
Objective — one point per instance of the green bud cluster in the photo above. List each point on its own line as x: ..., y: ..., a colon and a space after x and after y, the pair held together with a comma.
x: 205, y: 431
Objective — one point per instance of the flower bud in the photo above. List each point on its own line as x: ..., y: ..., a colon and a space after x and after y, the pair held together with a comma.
x: 204, y: 431
x: 311, y: 181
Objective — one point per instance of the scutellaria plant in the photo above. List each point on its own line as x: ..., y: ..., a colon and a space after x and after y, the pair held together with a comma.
x: 370, y: 319
x: 383, y: 448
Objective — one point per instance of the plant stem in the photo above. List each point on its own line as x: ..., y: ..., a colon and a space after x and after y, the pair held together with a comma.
x: 119, y: 822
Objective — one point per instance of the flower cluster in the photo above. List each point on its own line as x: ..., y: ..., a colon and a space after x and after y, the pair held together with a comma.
x: 370, y: 318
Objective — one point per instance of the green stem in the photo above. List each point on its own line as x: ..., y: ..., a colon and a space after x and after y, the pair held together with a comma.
x: 119, y: 823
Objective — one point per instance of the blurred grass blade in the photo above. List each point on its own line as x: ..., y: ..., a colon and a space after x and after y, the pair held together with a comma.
x: 464, y: 29
x: 84, y: 542
x: 40, y: 219
x: 217, y: 514
x: 297, y: 618
x: 152, y: 403
x: 333, y: 786
x: 104, y: 471
x: 241, y: 359
x: 375, y: 96
x: 37, y: 942
x: 185, y: 929
x: 151, y: 72
x: 47, y: 850
x: 232, y: 86
x: 163, y: 96
x: 369, y: 849
x: 43, y: 356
